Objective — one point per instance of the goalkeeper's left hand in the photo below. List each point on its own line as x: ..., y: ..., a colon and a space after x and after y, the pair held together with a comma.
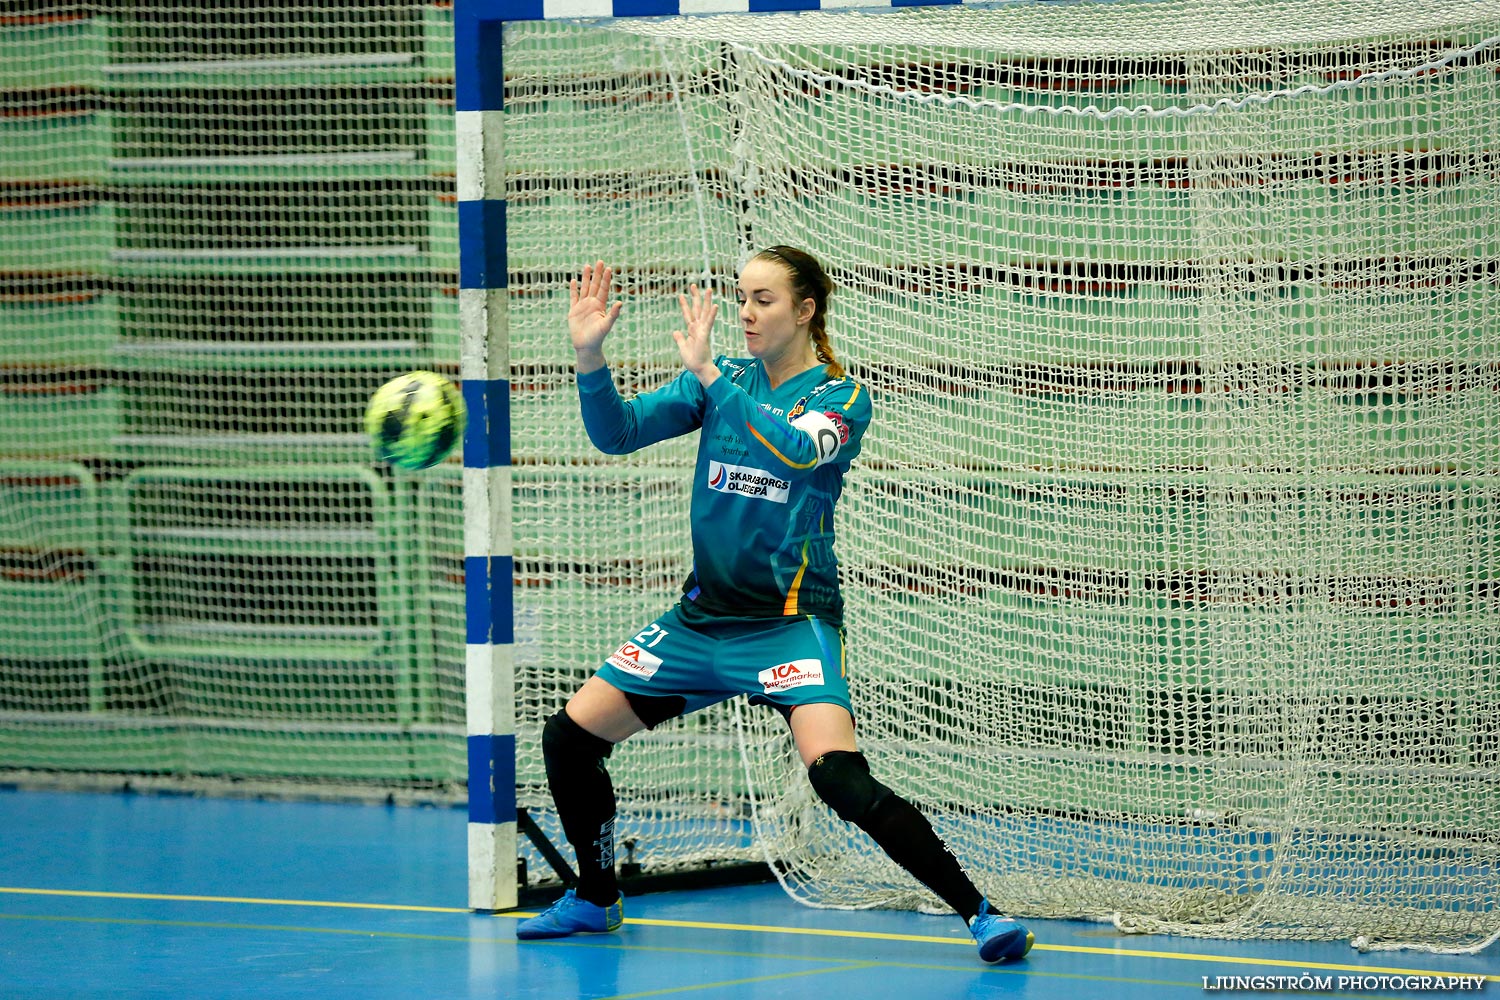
x: 696, y: 345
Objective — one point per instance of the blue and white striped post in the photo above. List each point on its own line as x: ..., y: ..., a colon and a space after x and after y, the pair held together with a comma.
x: 490, y: 711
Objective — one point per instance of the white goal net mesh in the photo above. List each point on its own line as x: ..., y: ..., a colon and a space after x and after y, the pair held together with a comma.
x: 1169, y: 554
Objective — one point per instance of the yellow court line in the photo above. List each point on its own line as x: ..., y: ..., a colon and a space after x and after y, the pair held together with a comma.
x: 595, y: 942
x: 1067, y: 948
x: 244, y: 900
x: 748, y: 928
x: 219, y: 925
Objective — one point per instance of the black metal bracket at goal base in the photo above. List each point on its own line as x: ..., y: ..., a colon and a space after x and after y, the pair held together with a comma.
x: 525, y: 824
x: 634, y: 881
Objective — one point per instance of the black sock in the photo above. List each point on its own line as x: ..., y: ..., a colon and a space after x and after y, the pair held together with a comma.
x: 585, y: 800
x: 904, y: 833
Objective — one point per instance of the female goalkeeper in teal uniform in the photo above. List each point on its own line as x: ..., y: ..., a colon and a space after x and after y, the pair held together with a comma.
x: 760, y: 614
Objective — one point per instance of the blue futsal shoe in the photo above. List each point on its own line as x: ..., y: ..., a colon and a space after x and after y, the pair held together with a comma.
x: 1001, y: 939
x: 571, y: 915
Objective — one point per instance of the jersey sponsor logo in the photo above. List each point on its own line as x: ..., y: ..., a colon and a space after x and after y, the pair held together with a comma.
x: 632, y: 659
x: 785, y: 676
x: 730, y: 444
x: 748, y: 482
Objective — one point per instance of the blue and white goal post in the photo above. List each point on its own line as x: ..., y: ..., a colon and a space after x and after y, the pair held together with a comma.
x: 480, y: 109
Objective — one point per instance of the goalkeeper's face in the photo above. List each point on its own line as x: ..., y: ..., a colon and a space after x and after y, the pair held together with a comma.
x: 774, y: 323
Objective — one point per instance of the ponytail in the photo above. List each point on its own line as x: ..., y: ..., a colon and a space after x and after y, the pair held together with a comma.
x: 825, y: 350
x: 809, y: 281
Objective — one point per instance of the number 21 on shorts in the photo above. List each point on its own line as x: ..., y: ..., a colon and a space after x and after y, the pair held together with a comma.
x: 649, y: 636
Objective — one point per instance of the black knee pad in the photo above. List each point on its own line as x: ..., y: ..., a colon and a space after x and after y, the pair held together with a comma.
x: 842, y: 779
x: 566, y: 744
x: 654, y: 709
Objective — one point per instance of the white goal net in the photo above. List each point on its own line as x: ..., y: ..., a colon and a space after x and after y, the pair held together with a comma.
x: 1169, y: 555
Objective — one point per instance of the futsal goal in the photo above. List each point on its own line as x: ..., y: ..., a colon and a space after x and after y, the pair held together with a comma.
x: 1170, y: 555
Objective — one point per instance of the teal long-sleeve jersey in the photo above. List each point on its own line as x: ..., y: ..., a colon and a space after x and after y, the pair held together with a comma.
x: 771, y: 465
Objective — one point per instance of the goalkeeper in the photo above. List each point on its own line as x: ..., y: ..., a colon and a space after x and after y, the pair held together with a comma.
x: 760, y: 613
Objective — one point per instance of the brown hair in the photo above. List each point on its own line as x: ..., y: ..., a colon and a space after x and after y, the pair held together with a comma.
x: 809, y: 281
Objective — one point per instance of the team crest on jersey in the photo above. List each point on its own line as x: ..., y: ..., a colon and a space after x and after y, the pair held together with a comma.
x: 801, y: 405
x: 634, y: 660
x: 785, y: 676
x: 747, y: 482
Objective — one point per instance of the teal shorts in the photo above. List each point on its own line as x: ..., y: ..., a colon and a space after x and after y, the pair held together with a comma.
x: 705, y: 659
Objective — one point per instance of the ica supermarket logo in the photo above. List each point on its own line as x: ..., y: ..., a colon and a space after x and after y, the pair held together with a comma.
x: 634, y: 660
x: 798, y: 673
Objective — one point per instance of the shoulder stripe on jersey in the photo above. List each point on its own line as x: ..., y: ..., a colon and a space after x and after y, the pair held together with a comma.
x: 772, y: 448
x: 853, y: 397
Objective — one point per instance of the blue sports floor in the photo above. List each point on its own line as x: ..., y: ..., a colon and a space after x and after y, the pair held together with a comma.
x: 154, y: 896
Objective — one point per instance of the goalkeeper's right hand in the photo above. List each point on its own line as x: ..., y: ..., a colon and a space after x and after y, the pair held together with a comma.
x: 590, y: 314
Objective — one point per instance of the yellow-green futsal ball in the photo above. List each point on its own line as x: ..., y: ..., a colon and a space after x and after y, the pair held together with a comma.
x: 415, y: 420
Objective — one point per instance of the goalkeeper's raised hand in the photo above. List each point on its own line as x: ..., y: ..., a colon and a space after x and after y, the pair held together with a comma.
x: 590, y: 314
x: 696, y: 345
